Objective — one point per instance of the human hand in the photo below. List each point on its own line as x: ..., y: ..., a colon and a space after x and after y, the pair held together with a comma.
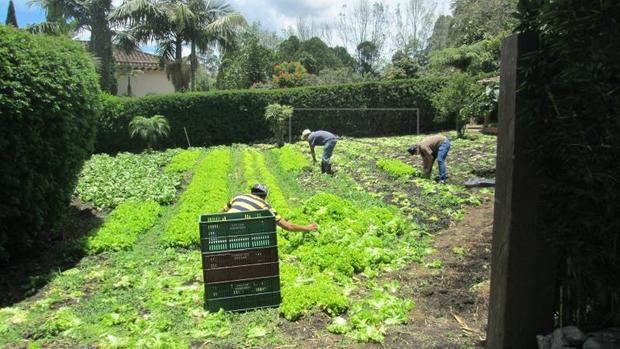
x: 312, y: 227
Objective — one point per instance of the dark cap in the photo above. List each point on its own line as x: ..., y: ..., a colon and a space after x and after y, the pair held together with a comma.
x: 260, y: 190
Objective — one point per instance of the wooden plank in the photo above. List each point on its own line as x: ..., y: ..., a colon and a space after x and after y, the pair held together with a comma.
x: 522, y: 279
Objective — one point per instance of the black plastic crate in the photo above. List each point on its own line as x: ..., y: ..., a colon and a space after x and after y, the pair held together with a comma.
x: 239, y: 230
x: 241, y: 272
x: 242, y: 303
x: 238, y: 258
x: 242, y: 287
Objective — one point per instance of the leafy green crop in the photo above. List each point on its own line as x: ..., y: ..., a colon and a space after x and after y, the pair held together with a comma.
x: 397, y: 169
x: 291, y: 159
x: 121, y: 229
x: 183, y: 161
x: 276, y: 197
x: 255, y: 171
x: 301, y: 293
x: 367, y: 319
x: 351, y: 240
x: 249, y: 168
x: 207, y: 193
x: 108, y: 181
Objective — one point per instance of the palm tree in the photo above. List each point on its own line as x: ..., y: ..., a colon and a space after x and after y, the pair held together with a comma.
x: 151, y: 130
x: 214, y: 24
x: 171, y: 23
x: 65, y: 16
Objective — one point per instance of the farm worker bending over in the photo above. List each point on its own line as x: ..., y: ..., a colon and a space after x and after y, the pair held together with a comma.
x: 256, y: 201
x: 431, y: 148
x: 323, y: 138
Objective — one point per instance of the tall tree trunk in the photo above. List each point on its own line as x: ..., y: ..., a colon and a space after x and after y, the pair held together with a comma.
x: 101, y: 44
x: 178, y: 61
x: 194, y: 63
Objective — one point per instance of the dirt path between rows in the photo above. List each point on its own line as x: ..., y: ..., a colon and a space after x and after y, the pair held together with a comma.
x: 459, y: 288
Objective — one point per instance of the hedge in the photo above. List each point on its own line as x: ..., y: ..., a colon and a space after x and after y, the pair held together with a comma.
x: 225, y: 117
x: 49, y: 99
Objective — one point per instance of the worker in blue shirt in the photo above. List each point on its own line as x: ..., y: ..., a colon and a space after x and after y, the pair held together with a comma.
x: 321, y: 138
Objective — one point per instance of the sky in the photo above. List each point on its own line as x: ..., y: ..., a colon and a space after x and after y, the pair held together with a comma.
x: 274, y: 15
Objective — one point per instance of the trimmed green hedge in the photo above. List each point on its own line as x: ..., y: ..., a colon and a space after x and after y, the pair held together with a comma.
x: 49, y: 99
x: 225, y: 117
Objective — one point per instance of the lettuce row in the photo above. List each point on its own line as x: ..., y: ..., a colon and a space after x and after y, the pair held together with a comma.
x: 207, y: 193
x: 183, y: 161
x: 291, y: 159
x: 276, y: 197
x: 121, y: 229
x: 107, y: 181
x: 397, y: 169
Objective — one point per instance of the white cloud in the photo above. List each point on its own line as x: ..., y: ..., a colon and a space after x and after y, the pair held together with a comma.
x: 279, y: 14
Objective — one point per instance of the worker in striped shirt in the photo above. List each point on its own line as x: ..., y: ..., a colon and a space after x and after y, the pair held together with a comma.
x: 256, y: 201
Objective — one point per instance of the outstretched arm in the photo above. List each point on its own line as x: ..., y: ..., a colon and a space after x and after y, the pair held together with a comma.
x: 284, y: 224
x: 312, y: 152
x: 427, y: 159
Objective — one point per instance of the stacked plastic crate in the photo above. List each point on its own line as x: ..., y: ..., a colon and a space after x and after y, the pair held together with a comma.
x: 240, y: 260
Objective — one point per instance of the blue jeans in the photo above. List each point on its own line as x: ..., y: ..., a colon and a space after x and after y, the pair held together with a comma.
x: 442, y: 153
x: 327, y: 151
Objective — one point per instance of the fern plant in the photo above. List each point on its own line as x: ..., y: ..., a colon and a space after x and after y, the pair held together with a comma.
x: 151, y: 130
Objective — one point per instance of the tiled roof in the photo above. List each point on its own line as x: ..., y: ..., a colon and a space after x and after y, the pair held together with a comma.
x: 137, y: 60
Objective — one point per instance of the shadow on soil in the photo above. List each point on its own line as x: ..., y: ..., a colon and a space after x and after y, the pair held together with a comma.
x: 30, y: 269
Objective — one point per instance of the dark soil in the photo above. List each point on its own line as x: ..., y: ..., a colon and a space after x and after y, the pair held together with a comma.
x: 29, y: 271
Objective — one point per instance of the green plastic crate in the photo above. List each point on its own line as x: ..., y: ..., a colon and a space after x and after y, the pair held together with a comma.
x: 243, y: 303
x: 242, y: 287
x: 239, y: 230
x: 243, y: 295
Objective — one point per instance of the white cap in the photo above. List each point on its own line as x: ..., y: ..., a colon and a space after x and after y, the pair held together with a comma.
x: 305, y: 134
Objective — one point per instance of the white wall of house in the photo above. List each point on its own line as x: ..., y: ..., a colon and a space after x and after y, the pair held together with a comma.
x: 149, y: 82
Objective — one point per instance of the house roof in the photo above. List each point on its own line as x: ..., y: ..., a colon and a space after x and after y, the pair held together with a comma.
x: 137, y: 60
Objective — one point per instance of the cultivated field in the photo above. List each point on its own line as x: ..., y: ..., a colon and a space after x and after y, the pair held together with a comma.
x: 397, y: 259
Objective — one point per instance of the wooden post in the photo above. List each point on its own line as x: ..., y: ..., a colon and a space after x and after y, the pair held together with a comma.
x: 522, y: 271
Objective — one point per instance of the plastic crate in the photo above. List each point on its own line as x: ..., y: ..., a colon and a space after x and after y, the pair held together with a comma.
x: 242, y: 272
x: 231, y: 243
x: 242, y: 303
x: 239, y: 230
x: 242, y: 288
x: 238, y: 258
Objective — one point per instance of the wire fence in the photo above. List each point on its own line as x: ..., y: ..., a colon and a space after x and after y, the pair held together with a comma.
x: 356, y: 121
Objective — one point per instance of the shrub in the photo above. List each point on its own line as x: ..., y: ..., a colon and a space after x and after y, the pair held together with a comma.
x: 456, y: 101
x: 49, y: 100
x: 151, y: 130
x: 289, y: 74
x: 225, y: 117
x: 277, y: 116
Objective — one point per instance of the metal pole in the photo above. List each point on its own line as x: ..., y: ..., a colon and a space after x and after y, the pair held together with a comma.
x: 186, y: 137
x: 417, y: 113
x: 290, y: 129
